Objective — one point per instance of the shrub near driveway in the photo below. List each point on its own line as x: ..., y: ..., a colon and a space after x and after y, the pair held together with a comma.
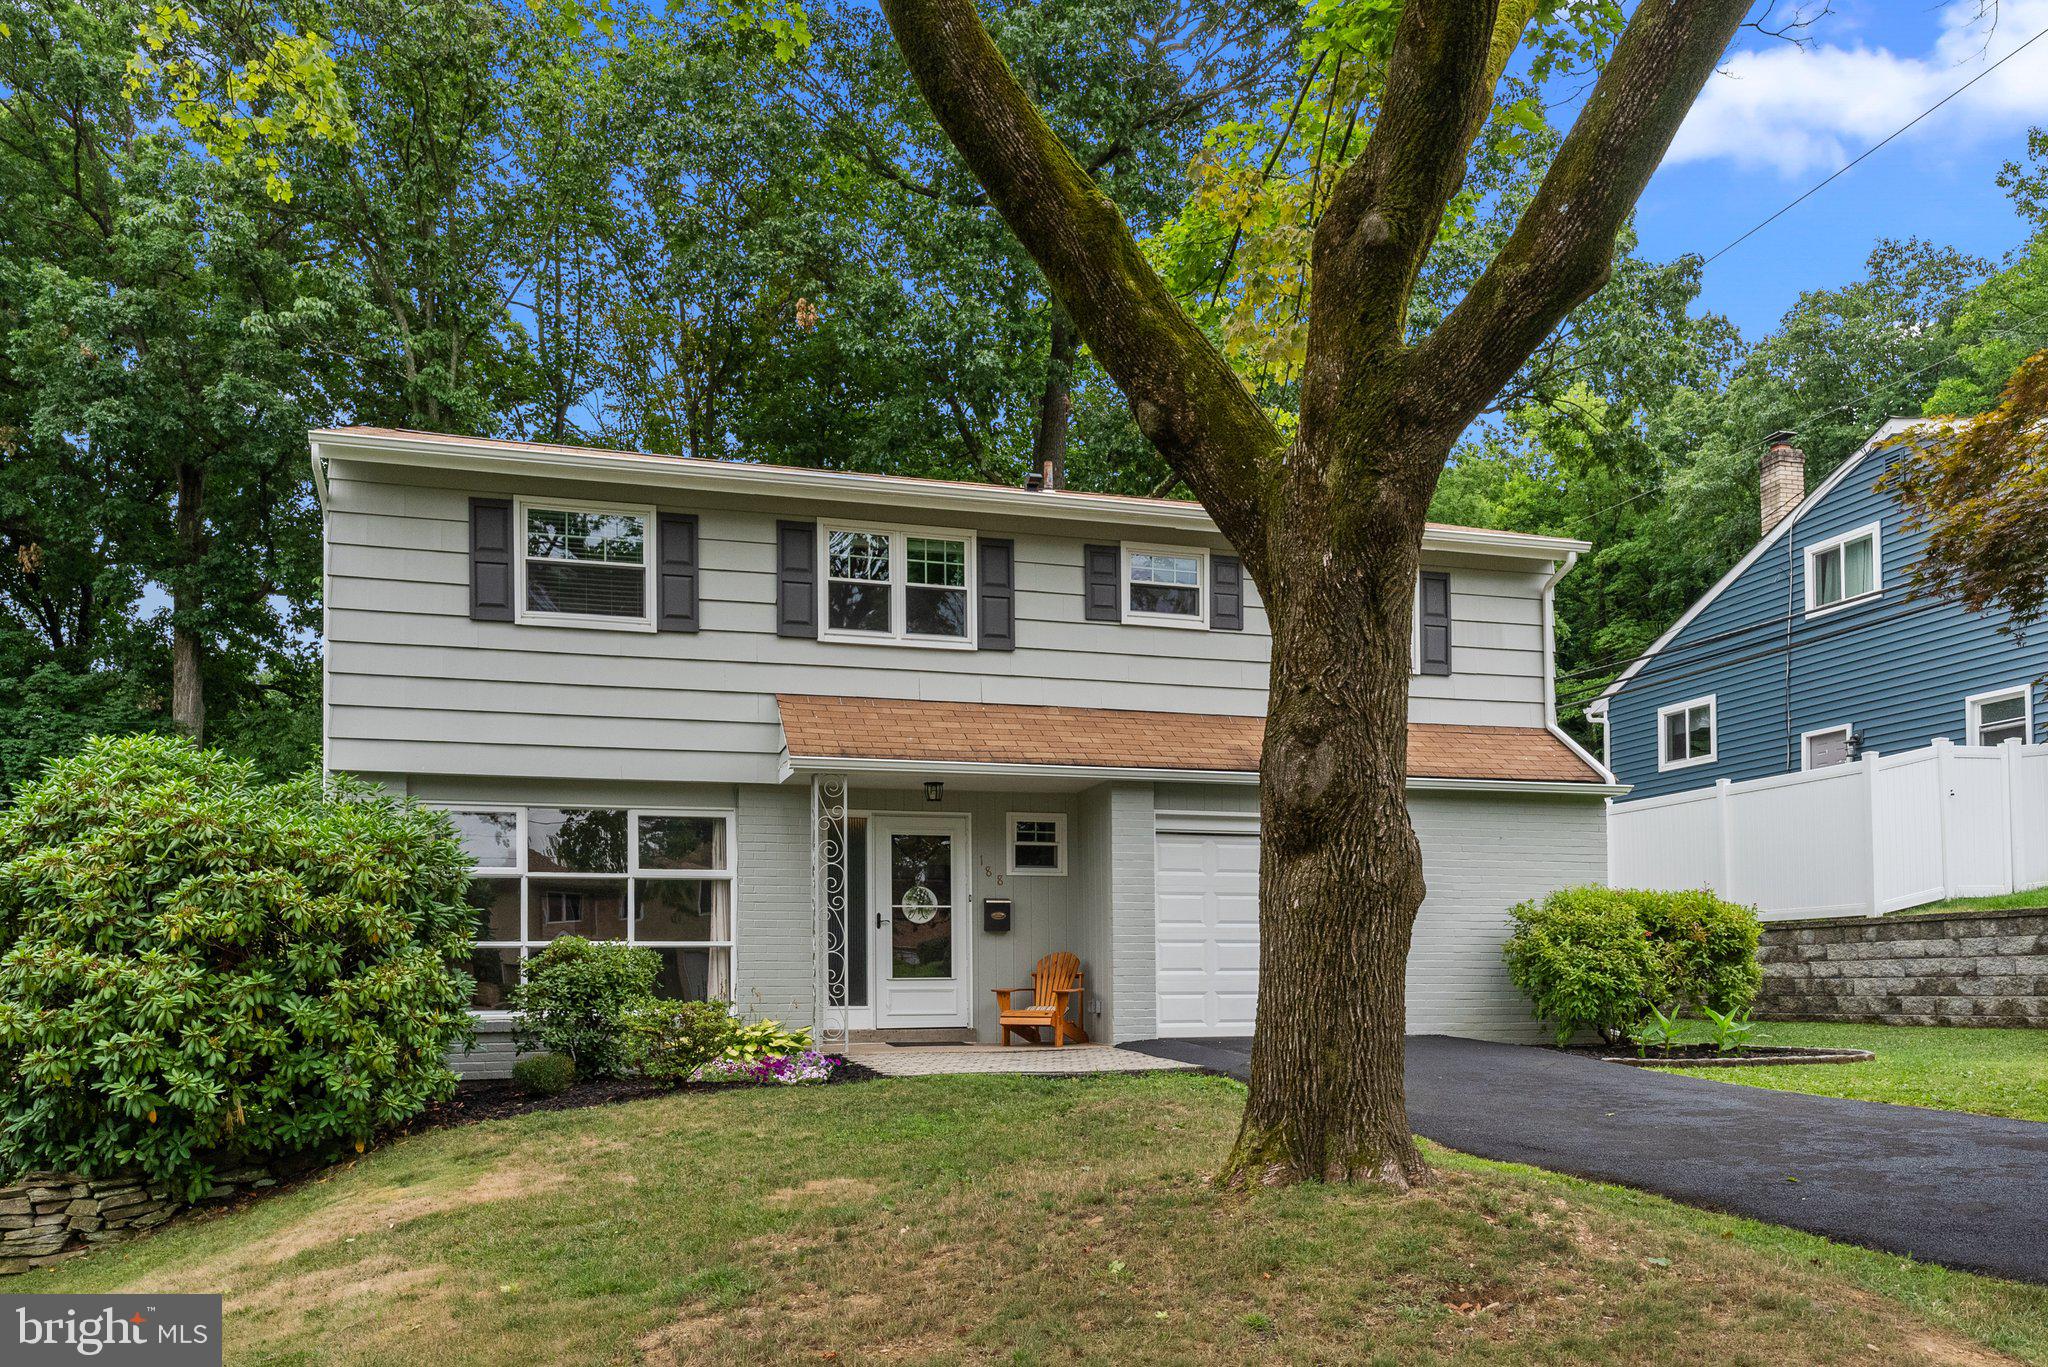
x: 198, y: 971
x: 1603, y: 959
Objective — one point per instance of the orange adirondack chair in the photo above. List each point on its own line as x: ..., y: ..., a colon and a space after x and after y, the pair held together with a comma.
x: 1055, y: 982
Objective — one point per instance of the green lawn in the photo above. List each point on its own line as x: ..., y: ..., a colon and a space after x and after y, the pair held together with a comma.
x: 2023, y: 900
x: 1992, y: 1072
x: 1023, y: 1219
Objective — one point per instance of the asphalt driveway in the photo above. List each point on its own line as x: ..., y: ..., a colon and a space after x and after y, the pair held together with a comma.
x: 1966, y: 1191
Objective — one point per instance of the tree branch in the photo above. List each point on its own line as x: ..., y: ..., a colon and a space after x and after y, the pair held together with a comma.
x: 1561, y: 251
x: 1184, y: 395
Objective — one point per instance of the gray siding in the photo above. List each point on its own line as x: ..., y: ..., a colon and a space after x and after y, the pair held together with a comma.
x: 415, y: 687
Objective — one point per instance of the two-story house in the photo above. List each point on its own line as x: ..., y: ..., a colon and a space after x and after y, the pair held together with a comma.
x: 853, y: 750
x: 1814, y: 649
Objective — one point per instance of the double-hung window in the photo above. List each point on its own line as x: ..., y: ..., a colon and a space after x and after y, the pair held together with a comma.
x: 1842, y: 569
x: 585, y: 564
x: 1685, y: 734
x: 1166, y: 586
x: 898, y: 584
x: 2000, y: 716
x: 1038, y: 843
x: 661, y: 879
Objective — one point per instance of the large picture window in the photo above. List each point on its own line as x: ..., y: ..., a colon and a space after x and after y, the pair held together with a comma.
x: 887, y: 584
x: 662, y: 879
x: 585, y: 564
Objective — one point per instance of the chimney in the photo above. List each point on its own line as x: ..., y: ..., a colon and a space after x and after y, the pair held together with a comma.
x: 1783, y: 479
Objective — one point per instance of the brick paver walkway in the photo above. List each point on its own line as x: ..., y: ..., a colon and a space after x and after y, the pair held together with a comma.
x: 934, y: 1060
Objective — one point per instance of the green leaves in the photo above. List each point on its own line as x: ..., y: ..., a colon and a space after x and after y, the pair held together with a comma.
x: 198, y: 970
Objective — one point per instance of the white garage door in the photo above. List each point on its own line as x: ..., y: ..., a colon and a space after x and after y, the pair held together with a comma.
x: 1208, y: 946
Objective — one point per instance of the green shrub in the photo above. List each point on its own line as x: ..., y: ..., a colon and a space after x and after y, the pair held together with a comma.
x: 544, y: 1074
x: 1584, y: 962
x: 576, y: 998
x: 1708, y: 947
x: 1605, y: 959
x: 198, y: 971
x: 671, y: 1039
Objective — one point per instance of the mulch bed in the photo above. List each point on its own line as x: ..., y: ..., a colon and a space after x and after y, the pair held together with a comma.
x: 1706, y: 1056
x: 479, y: 1099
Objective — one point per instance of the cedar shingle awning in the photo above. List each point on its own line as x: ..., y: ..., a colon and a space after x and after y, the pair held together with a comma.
x: 819, y: 730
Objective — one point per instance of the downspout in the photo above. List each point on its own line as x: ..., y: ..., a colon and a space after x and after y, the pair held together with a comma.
x: 1564, y: 567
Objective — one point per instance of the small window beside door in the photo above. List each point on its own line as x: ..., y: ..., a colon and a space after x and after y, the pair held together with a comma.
x: 2000, y: 716
x: 1038, y: 843
x: 1842, y: 570
x: 1827, y: 747
x: 1685, y: 734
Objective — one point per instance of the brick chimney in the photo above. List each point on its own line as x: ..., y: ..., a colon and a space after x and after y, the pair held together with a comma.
x: 1783, y: 480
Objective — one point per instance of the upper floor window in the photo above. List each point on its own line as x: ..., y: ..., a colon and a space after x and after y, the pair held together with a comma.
x: 891, y: 584
x: 1166, y: 586
x: 585, y: 563
x: 1997, y: 717
x: 1685, y: 734
x: 1842, y: 569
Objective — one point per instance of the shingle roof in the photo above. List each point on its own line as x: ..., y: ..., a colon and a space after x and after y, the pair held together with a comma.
x: 831, y: 728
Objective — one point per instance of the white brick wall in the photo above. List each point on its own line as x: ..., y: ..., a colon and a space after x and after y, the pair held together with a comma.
x: 1133, y: 915
x: 775, y: 944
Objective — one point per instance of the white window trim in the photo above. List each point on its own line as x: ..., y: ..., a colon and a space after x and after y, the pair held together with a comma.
x: 1973, y: 707
x: 1806, y: 739
x: 649, y: 554
x: 1873, y: 530
x: 1198, y: 622
x: 528, y: 944
x: 899, y: 597
x: 1664, y: 764
x: 1059, y: 836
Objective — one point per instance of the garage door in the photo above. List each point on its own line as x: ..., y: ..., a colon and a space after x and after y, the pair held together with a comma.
x: 1208, y: 946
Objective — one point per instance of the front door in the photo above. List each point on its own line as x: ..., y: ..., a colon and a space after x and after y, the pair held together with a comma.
x: 918, y: 890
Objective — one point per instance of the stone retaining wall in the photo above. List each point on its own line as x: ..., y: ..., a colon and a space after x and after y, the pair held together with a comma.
x: 46, y: 1217
x: 1939, y: 968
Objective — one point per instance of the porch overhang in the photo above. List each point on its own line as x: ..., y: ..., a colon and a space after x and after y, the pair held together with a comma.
x: 903, y: 741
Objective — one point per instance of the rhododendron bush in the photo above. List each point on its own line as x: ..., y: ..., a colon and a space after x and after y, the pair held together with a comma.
x: 199, y: 971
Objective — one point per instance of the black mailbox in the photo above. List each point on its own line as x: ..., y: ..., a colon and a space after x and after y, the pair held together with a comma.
x: 995, y: 915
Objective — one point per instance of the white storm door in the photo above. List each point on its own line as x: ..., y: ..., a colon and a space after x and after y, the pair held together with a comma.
x: 918, y: 894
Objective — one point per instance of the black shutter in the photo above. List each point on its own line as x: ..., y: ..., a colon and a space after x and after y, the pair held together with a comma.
x: 796, y: 579
x: 998, y: 606
x: 1226, y: 593
x: 675, y: 586
x: 1435, y: 610
x: 1102, y: 583
x: 490, y: 560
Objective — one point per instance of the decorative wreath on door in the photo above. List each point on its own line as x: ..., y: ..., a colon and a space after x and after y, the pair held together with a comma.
x: 920, y: 906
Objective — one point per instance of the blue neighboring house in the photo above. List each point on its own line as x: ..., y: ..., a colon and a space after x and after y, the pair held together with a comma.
x: 1814, y: 648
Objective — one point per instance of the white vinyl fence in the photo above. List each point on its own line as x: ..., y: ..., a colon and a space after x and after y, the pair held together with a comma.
x: 1879, y: 834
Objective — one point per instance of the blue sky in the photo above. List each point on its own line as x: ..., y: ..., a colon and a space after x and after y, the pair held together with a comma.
x: 1777, y: 118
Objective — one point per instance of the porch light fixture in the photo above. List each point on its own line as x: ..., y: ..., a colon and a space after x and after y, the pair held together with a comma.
x: 934, y: 790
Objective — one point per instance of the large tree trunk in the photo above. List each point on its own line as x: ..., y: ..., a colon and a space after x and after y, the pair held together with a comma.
x: 1340, y: 876
x: 1330, y: 525
x: 188, y: 694
x: 1055, y: 403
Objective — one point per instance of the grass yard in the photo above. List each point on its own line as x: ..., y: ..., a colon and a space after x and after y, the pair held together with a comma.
x: 2024, y: 900
x: 1953, y: 1068
x: 1026, y: 1219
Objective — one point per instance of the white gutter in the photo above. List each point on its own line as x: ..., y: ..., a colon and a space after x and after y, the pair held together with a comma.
x: 503, y: 458
x: 793, y: 768
x: 1550, y: 675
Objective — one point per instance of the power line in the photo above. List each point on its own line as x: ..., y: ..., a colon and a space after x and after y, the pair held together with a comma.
x: 1873, y: 149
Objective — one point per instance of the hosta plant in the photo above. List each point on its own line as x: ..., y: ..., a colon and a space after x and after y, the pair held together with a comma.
x: 199, y: 971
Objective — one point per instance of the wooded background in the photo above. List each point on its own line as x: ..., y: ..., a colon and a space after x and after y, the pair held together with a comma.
x: 697, y: 232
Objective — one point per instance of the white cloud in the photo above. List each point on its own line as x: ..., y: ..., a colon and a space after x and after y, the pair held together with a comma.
x: 1800, y: 110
